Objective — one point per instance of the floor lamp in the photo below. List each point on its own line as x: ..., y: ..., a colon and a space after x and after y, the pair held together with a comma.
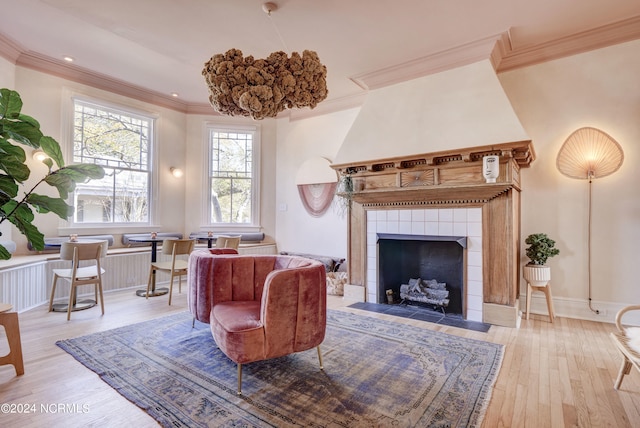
x: 589, y: 153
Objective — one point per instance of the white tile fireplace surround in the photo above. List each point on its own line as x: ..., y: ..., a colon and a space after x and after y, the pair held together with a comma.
x: 437, y: 222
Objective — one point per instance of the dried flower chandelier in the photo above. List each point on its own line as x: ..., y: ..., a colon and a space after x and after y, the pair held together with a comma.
x: 260, y: 88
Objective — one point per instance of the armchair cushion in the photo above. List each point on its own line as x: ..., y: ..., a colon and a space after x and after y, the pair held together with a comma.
x: 633, y: 333
x: 238, y: 331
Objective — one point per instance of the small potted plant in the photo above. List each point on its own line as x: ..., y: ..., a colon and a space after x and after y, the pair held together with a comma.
x: 540, y: 249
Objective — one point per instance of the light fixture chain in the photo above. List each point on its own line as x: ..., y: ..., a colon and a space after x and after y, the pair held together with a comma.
x: 275, y: 27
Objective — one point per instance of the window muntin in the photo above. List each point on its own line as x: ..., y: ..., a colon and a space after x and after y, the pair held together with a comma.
x: 232, y: 176
x: 120, y: 141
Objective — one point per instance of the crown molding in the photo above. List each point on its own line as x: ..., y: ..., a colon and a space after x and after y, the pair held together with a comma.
x: 48, y: 65
x: 10, y: 49
x: 200, y: 108
x: 441, y: 61
x: 596, y: 38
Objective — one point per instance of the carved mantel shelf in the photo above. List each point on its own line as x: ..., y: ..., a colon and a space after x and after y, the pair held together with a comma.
x: 469, y: 194
x: 453, y: 176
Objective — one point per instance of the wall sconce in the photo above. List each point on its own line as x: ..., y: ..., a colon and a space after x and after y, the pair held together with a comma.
x: 586, y: 154
x: 39, y: 155
x: 176, y: 172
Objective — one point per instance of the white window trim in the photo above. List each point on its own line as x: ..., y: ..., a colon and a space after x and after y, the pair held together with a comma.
x: 206, y: 224
x: 66, y: 227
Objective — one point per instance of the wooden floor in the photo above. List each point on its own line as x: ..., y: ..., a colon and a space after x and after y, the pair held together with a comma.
x: 552, y: 375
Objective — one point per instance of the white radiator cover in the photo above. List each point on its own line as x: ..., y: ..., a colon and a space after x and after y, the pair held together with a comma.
x: 22, y: 286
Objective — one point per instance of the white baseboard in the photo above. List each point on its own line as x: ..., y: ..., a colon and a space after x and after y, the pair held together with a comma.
x: 579, y: 309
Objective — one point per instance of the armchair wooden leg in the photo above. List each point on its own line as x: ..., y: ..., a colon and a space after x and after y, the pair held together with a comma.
x: 625, y: 369
x: 320, y: 358
x: 239, y: 379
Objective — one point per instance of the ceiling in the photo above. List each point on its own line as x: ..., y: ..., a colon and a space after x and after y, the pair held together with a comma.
x: 161, y: 45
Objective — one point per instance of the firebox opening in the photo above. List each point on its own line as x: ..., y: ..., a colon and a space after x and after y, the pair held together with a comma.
x: 404, y: 257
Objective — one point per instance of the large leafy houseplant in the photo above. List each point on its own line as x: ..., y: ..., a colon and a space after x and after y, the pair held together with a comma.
x: 541, y: 248
x: 16, y: 130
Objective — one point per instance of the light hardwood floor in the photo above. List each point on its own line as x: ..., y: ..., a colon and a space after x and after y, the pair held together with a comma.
x: 552, y: 375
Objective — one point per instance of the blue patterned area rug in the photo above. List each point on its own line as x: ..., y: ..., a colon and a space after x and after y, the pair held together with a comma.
x: 377, y: 373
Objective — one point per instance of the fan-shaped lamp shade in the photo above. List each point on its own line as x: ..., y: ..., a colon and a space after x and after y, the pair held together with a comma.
x: 589, y: 153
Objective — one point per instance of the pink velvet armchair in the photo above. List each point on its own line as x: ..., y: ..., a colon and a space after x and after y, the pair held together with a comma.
x: 259, y: 307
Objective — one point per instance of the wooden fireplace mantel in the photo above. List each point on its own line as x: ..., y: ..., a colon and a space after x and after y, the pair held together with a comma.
x: 451, y: 178
x: 452, y: 175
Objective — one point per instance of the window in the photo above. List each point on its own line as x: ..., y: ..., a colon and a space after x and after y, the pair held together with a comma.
x: 120, y: 141
x: 232, y: 176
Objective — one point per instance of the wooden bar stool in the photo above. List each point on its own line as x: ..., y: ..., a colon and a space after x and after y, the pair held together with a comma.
x: 10, y: 322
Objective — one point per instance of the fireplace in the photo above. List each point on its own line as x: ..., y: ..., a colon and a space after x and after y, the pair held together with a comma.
x: 428, y: 257
x: 430, y: 225
x: 451, y: 186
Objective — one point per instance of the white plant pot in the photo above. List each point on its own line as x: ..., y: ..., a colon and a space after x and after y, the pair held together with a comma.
x: 537, y: 275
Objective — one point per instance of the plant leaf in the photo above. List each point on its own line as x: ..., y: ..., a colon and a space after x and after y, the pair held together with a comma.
x: 23, y: 133
x: 45, y: 204
x: 22, y: 219
x: 8, y: 186
x: 34, y: 236
x: 62, y: 182
x: 29, y: 120
x: 4, y: 253
x: 82, y: 171
x: 9, y: 149
x: 10, y: 104
x: 12, y: 159
x: 52, y: 149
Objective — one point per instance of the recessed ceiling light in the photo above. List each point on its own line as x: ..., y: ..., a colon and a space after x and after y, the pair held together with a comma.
x: 175, y: 94
x: 68, y: 58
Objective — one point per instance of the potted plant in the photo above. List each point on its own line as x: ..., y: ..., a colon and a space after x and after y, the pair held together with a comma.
x: 540, y: 249
x: 345, y: 191
x: 17, y: 130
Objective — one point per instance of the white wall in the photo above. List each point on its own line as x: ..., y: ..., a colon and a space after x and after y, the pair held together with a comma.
x: 45, y: 98
x: 599, y: 89
x: 425, y: 115
x: 299, y: 141
x: 7, y: 73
